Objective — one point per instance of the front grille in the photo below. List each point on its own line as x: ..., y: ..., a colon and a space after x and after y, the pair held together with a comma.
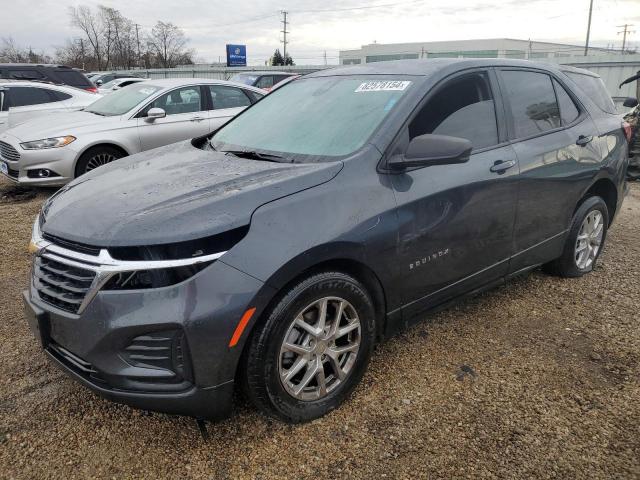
x: 8, y: 152
x: 61, y: 285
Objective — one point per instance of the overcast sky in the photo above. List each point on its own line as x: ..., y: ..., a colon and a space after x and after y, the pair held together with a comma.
x: 332, y: 25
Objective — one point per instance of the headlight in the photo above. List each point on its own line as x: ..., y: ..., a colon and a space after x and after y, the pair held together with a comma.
x: 56, y: 142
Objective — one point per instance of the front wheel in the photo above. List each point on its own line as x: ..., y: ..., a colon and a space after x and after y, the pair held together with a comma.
x: 585, y: 240
x: 96, y: 157
x: 312, y: 350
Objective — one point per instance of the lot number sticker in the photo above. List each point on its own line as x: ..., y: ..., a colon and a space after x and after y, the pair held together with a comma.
x: 391, y: 85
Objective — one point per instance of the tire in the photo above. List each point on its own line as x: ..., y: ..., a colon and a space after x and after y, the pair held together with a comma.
x: 96, y: 157
x: 571, y: 263
x: 266, y: 355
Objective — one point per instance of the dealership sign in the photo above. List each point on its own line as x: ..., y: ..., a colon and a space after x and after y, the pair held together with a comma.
x: 236, y: 55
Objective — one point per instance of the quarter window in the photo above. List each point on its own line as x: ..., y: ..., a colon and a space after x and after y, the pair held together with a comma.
x: 533, y: 102
x: 464, y: 108
x: 568, y: 110
x: 181, y: 100
x: 595, y: 90
x: 228, y: 97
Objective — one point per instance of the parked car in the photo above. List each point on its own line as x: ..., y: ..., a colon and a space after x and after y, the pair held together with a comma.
x: 264, y: 80
x: 272, y: 254
x: 117, y: 84
x: 285, y: 81
x: 54, y: 150
x: 22, y: 100
x: 101, y: 78
x: 56, y: 74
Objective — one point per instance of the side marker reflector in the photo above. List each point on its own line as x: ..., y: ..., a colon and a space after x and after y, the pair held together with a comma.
x: 242, y: 324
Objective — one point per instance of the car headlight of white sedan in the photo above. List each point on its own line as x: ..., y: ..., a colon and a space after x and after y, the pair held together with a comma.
x: 56, y: 142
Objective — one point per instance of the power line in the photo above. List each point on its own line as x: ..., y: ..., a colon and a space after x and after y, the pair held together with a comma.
x: 625, y: 30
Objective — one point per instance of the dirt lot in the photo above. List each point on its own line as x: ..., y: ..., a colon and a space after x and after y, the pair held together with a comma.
x: 537, y: 379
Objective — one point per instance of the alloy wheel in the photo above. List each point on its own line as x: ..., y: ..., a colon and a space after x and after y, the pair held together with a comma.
x: 319, y: 348
x: 98, y: 160
x: 589, y: 240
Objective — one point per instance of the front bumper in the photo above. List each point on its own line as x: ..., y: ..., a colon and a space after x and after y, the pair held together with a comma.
x: 94, y: 347
x: 62, y: 161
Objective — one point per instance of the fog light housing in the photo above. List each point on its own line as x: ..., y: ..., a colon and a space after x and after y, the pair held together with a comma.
x: 41, y: 173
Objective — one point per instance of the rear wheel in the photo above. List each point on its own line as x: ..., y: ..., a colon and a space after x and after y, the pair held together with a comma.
x: 312, y: 350
x: 96, y: 157
x: 585, y: 240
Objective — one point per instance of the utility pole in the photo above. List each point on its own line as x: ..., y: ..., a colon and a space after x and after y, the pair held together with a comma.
x: 284, y: 32
x: 625, y: 30
x: 82, y: 51
x: 138, y: 42
x: 586, y: 44
x: 325, y: 57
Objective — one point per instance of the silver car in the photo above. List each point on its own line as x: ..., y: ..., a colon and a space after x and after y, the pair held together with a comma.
x: 55, y: 149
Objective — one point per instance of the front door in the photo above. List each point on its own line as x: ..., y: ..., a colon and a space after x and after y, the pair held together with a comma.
x: 186, y: 118
x: 456, y: 221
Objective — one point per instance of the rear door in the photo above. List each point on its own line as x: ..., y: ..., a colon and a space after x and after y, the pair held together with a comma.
x: 555, y: 141
x: 456, y: 221
x: 226, y: 103
x: 186, y: 118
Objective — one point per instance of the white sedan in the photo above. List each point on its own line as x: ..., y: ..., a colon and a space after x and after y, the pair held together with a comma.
x: 117, y: 84
x: 55, y: 149
x: 20, y: 100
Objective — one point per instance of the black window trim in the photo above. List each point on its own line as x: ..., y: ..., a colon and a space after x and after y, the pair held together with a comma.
x: 512, y: 137
x: 499, y: 107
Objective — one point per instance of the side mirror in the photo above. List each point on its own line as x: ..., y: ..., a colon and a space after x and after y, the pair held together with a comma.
x: 155, y: 113
x: 630, y: 102
x: 430, y: 149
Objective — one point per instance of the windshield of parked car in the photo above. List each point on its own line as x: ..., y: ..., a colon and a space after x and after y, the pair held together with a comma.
x: 121, y: 101
x: 314, y: 118
x: 244, y: 78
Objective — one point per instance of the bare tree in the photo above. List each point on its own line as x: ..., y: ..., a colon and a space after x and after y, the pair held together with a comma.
x: 167, y: 43
x: 11, y: 52
x: 91, y: 26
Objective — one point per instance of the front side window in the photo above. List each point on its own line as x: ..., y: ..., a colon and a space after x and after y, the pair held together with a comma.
x: 122, y: 101
x: 23, y: 96
x: 533, y: 102
x: 319, y: 118
x: 463, y: 108
x: 228, y: 97
x: 180, y: 100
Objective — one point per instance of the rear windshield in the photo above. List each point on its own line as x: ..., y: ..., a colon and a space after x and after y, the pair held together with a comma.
x: 73, y: 78
x: 595, y: 90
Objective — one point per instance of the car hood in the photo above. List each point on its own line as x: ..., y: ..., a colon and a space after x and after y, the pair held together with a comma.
x: 58, y: 124
x: 172, y: 194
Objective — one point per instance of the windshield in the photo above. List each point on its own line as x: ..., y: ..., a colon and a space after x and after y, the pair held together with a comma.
x: 243, y: 78
x: 110, y: 84
x: 320, y: 117
x: 121, y: 101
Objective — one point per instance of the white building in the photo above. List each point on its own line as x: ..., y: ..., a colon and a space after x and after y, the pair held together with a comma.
x: 483, y: 48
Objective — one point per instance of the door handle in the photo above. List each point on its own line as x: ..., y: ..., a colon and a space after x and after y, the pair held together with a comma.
x: 583, y: 140
x: 197, y: 119
x: 500, y: 166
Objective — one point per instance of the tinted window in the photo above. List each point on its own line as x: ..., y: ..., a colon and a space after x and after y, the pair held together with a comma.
x: 463, y: 108
x: 181, y: 100
x: 266, y: 81
x: 533, y: 102
x: 595, y: 90
x: 26, y: 74
x: 228, y: 97
x: 73, y: 78
x: 22, y: 96
x: 568, y: 110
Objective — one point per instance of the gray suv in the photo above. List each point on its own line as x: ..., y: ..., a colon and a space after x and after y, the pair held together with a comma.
x: 272, y: 254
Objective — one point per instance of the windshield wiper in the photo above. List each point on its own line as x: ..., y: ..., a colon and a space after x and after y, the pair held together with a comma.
x: 267, y: 157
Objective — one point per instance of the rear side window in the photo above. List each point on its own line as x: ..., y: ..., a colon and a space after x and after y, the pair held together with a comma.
x: 23, y: 96
x: 464, y: 108
x: 568, y: 110
x: 228, y: 97
x: 266, y: 81
x: 595, y: 90
x: 73, y: 78
x: 533, y: 102
x: 25, y: 74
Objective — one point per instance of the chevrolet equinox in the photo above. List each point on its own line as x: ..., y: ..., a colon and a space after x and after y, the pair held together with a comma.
x: 274, y: 252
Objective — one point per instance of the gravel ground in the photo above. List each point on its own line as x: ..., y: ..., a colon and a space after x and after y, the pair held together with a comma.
x: 537, y: 379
